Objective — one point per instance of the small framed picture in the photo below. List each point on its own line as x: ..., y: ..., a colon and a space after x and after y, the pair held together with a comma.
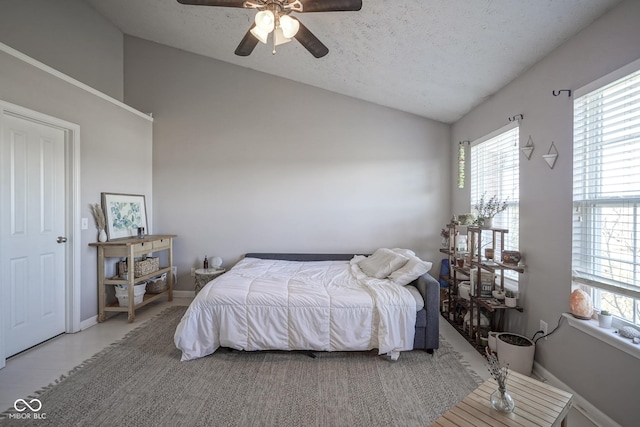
x: 124, y: 214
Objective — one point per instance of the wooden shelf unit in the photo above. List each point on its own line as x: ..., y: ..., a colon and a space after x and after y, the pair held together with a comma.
x: 130, y: 248
x: 476, y: 302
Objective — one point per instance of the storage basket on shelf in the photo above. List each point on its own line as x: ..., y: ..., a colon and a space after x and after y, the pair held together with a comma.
x: 158, y: 284
x: 141, y: 266
x: 122, y: 293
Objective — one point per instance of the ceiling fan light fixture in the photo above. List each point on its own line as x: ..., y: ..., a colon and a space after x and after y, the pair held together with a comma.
x: 279, y: 37
x: 289, y: 26
x: 273, y: 15
x: 260, y: 34
x: 265, y: 20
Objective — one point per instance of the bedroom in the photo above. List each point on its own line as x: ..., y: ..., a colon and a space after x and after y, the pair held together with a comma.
x: 215, y: 166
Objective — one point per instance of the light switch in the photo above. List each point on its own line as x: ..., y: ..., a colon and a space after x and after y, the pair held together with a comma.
x: 85, y: 224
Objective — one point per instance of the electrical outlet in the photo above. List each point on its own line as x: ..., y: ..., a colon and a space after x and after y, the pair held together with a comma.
x: 84, y: 224
x: 543, y: 328
x: 193, y: 272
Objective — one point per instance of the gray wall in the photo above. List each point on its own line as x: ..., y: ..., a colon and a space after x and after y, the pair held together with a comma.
x: 115, y: 144
x: 68, y: 35
x: 245, y: 161
x: 603, y: 375
x: 115, y: 148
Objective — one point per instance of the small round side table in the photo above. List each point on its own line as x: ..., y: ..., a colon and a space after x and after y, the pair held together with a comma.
x: 205, y: 275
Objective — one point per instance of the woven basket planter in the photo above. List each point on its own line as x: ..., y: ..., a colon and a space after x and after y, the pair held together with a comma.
x: 157, y: 285
x: 141, y: 267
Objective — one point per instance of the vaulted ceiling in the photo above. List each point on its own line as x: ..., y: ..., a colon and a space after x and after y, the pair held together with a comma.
x: 434, y: 58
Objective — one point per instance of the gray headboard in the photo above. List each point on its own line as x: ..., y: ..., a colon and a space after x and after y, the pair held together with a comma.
x: 301, y: 257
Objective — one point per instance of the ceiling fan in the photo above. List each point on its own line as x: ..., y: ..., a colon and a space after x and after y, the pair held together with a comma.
x: 273, y: 16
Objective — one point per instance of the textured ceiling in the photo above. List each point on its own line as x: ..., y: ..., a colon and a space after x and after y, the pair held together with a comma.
x: 434, y: 58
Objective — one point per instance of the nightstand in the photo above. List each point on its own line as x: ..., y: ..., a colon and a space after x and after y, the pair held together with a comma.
x: 205, y: 275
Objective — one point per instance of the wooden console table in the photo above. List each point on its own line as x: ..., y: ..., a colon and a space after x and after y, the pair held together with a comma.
x: 537, y: 404
x: 130, y: 248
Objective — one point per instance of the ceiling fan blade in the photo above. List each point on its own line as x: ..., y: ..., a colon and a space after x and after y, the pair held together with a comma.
x: 330, y: 5
x: 222, y: 3
x: 247, y: 44
x: 311, y: 42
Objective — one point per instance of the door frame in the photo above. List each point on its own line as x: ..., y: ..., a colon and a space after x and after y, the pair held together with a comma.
x: 72, y: 217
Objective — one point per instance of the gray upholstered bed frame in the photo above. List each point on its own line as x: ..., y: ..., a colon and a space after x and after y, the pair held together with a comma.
x: 427, y: 320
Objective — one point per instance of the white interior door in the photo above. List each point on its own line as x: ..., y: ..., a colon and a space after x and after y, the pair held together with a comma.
x: 33, y: 231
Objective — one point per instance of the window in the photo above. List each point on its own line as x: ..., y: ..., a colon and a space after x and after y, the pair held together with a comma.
x: 606, y: 195
x: 495, y: 170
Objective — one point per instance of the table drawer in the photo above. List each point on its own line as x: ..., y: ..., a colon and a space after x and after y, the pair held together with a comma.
x: 161, y: 244
x: 142, y: 248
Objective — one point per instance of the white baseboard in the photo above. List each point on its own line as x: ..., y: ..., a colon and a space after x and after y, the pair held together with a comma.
x: 580, y: 404
x: 87, y: 323
x: 91, y: 321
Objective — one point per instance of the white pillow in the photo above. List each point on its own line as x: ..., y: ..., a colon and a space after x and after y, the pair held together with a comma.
x: 382, y: 263
x: 414, y: 268
x: 405, y: 252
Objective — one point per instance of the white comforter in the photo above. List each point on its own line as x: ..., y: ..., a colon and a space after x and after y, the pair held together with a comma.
x: 286, y: 305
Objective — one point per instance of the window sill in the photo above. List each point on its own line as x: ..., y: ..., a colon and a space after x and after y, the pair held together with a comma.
x: 609, y: 336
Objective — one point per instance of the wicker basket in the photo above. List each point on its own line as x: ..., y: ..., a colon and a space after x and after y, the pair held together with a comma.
x: 157, y: 285
x: 141, y: 267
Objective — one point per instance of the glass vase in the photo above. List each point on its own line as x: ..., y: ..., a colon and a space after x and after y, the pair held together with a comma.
x: 502, y: 401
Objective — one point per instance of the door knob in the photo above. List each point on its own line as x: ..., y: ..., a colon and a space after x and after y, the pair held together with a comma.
x: 61, y: 239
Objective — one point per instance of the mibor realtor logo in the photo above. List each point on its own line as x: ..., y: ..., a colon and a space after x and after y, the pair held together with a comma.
x: 28, y: 410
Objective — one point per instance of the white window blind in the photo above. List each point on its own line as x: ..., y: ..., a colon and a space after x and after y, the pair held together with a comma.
x: 495, y: 170
x: 606, y: 195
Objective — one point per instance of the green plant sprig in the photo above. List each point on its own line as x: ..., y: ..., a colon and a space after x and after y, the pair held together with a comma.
x: 491, y: 207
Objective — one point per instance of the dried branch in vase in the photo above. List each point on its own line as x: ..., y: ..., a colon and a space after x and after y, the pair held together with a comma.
x: 498, y: 373
x: 98, y: 216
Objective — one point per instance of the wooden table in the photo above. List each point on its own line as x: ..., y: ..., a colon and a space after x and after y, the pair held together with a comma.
x: 537, y: 404
x: 129, y: 248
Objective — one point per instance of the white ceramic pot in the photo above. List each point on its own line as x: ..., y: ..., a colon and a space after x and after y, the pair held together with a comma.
x: 493, y: 344
x: 102, y: 236
x: 464, y: 290
x: 605, y: 321
x: 510, y: 302
x: 519, y: 357
x: 484, y: 342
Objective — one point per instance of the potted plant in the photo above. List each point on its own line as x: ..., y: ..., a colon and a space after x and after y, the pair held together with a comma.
x: 492, y: 340
x: 466, y: 218
x: 444, y: 233
x: 517, y: 351
x: 604, y: 319
x: 487, y: 209
x: 510, y: 298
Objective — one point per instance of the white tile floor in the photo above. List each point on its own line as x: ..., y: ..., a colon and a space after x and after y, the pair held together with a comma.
x: 44, y: 364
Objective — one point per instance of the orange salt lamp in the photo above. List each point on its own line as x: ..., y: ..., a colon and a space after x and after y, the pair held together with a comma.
x: 581, y: 304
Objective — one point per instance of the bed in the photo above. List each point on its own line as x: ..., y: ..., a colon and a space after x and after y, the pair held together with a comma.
x: 313, y: 302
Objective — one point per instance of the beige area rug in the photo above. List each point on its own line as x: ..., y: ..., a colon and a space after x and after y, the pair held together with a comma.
x: 140, y: 381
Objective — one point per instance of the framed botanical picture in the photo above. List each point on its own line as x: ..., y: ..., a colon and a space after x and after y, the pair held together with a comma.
x: 124, y: 214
